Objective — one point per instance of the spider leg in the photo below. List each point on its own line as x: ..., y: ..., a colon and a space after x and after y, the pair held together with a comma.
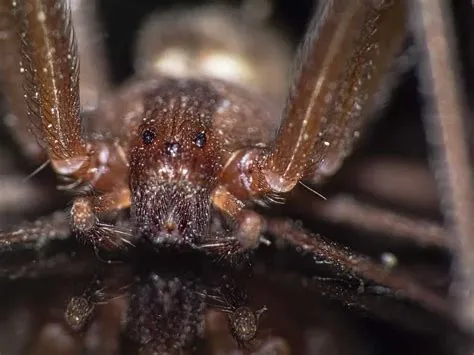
x: 41, y: 248
x: 16, y: 111
x: 348, y: 49
x: 83, y: 222
x: 50, y: 69
x: 346, y: 262
x: 34, y: 236
x: 94, y: 78
x: 50, y: 73
x: 444, y: 114
x: 407, y: 185
x: 341, y: 63
x: 371, y: 303
x: 361, y: 285
x: 402, y: 229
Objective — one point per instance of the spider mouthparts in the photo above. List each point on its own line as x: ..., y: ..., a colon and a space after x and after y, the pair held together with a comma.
x: 171, y: 212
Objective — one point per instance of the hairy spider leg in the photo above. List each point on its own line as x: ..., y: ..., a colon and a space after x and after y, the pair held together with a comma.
x: 50, y: 69
x: 340, y: 65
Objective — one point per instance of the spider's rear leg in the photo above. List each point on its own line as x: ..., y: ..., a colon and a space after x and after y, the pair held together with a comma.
x: 348, y: 211
x: 346, y: 263
x: 384, y: 292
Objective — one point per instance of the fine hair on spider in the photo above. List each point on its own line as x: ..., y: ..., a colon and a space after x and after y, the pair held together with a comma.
x: 178, y: 176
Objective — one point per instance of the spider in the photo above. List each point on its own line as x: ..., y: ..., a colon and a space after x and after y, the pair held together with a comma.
x: 173, y: 173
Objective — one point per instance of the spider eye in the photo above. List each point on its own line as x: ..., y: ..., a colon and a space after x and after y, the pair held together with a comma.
x: 200, y: 139
x: 148, y: 136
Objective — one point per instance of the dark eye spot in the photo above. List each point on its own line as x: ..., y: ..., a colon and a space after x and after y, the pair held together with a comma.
x: 148, y: 136
x: 200, y: 139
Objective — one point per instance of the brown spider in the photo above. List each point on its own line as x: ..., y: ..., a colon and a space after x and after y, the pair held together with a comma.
x: 196, y: 156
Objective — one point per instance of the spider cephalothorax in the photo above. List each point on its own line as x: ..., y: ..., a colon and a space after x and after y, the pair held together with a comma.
x: 175, y: 160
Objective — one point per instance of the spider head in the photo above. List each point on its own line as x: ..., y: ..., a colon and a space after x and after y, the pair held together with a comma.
x: 175, y: 162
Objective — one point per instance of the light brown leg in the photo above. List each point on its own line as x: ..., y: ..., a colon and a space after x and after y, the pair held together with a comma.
x: 50, y: 68
x: 16, y: 116
x: 50, y: 73
x: 341, y: 63
x: 348, y: 49
x: 93, y: 77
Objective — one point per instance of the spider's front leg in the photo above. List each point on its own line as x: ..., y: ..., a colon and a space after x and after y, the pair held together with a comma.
x: 93, y: 75
x: 50, y: 68
x: 347, y: 50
